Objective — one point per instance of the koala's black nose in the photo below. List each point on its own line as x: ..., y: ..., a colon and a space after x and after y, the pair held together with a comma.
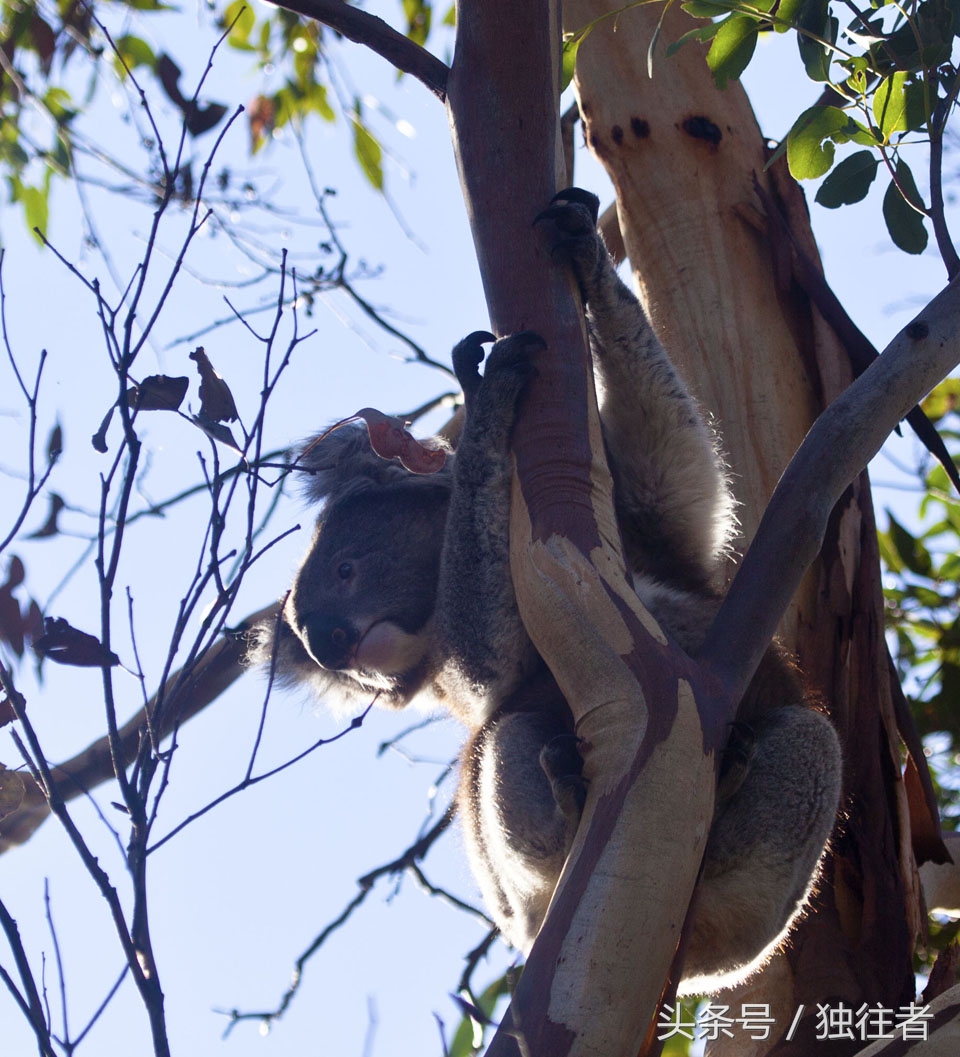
x: 330, y: 641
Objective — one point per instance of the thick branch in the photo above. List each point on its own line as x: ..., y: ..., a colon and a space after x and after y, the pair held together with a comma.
x: 840, y: 443
x: 629, y: 877
x: 374, y: 33
x: 222, y: 665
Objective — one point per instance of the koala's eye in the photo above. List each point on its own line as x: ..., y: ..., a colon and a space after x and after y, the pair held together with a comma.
x: 345, y: 570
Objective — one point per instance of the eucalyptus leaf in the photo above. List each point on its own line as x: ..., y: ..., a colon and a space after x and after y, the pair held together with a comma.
x: 814, y: 20
x: 732, y: 48
x: 707, y: 8
x: 903, y: 220
x: 368, y: 152
x: 810, y: 151
x: 898, y: 104
x: 850, y: 180
x: 701, y: 34
x: 788, y: 12
x: 911, y: 551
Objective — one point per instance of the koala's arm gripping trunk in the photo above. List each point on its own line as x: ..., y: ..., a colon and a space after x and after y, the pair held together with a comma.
x: 595, y: 975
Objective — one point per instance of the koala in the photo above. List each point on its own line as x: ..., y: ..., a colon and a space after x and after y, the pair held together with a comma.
x: 405, y: 594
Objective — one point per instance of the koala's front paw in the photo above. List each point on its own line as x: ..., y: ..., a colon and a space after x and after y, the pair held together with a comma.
x: 573, y: 213
x: 509, y: 368
x: 510, y: 362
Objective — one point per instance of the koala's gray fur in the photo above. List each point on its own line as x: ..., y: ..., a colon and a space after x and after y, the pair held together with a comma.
x: 406, y: 591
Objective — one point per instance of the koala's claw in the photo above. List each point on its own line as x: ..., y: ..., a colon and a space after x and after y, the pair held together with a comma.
x: 573, y: 210
x: 577, y: 194
x: 467, y: 357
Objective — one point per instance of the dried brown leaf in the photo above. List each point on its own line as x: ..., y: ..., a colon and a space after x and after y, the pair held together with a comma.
x: 11, y: 791
x: 158, y: 392
x: 50, y: 526
x: 65, y: 644
x: 216, y: 400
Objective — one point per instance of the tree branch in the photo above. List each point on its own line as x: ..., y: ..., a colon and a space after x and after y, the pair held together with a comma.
x: 839, y: 445
x: 222, y: 665
x: 378, y: 36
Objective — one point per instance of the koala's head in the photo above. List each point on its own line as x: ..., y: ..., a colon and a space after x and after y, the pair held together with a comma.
x: 359, y: 616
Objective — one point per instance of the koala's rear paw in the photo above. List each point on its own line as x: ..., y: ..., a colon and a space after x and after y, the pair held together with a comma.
x: 735, y: 761
x: 563, y: 765
x: 573, y: 213
x: 573, y: 210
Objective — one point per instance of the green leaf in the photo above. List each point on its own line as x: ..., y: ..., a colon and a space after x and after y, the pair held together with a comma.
x: 571, y: 45
x: 468, y: 1038
x: 263, y: 45
x: 950, y: 569
x: 36, y: 209
x: 707, y: 8
x: 56, y: 101
x: 898, y: 106
x: 860, y: 74
x: 904, y: 222
x: 933, y: 24
x: 810, y: 149
x: 888, y: 555
x: 132, y: 52
x: 568, y: 58
x: 59, y: 160
x: 787, y: 15
x: 943, y: 399
x: 732, y: 48
x: 814, y: 18
x: 807, y: 154
x: 316, y: 100
x: 850, y: 180
x: 418, y: 14
x: 368, y: 151
x: 701, y: 34
x: 240, y: 19
x: 910, y: 550
x: 304, y: 62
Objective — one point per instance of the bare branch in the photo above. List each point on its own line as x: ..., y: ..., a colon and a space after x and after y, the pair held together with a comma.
x: 222, y: 665
x: 839, y: 445
x: 407, y: 860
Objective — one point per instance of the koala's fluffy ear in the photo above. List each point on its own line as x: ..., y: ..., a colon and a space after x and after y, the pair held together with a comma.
x: 343, y: 460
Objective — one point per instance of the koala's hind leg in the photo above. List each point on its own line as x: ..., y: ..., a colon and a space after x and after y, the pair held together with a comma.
x: 674, y: 507
x: 520, y: 800
x: 766, y: 841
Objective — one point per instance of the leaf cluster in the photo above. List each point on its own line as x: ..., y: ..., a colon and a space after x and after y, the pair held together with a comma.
x: 889, y: 79
x: 921, y: 592
x: 56, y: 55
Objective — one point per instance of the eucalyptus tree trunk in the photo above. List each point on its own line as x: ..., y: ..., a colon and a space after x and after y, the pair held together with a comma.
x: 717, y: 273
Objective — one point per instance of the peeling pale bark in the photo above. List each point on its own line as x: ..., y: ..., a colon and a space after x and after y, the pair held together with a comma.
x: 683, y: 157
